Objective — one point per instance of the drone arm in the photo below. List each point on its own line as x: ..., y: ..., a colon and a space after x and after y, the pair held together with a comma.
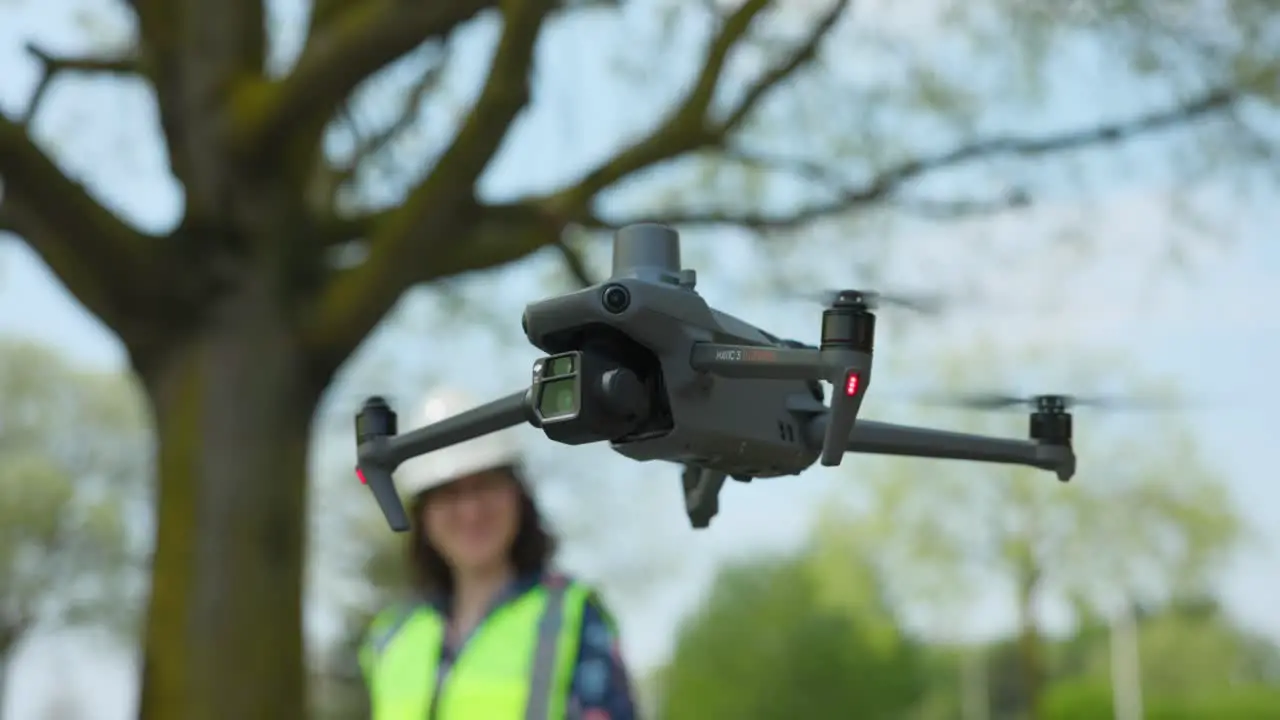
x: 491, y: 417
x: 380, y: 450
x: 755, y: 362
x: 869, y: 436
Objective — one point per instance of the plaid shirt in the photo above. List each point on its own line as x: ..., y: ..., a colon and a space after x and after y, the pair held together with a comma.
x: 601, y: 687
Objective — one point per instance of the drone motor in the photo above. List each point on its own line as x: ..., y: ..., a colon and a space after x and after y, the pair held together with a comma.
x: 1050, y: 421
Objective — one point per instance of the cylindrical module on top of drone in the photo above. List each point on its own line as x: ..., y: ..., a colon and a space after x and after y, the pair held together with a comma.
x: 648, y: 246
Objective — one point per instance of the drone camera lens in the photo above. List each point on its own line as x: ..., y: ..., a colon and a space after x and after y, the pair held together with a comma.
x: 616, y: 299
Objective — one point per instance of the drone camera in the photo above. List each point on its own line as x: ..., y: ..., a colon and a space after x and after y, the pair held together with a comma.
x: 558, y: 387
x: 616, y: 299
x: 582, y: 397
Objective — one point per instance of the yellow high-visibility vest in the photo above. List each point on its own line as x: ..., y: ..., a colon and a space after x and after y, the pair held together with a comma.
x: 517, y: 665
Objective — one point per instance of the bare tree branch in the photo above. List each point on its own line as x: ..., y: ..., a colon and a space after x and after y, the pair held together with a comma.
x: 884, y: 186
x: 830, y: 180
x: 374, y: 143
x: 347, y: 45
x: 198, y: 55
x: 52, y: 65
x: 514, y: 231
x: 574, y: 264
x: 401, y: 256
x: 193, y: 37
x: 690, y: 126
x: 954, y: 208
x: 358, y: 298
x: 110, y: 267
x: 324, y: 13
x: 330, y: 178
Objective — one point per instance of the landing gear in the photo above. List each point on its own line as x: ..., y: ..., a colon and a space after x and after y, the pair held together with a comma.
x: 701, y: 494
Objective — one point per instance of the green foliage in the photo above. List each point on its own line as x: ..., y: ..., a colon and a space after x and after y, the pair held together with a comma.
x: 1189, y: 651
x: 1091, y: 700
x: 769, y: 643
x: 72, y: 465
x: 1188, y: 655
x: 1077, y: 700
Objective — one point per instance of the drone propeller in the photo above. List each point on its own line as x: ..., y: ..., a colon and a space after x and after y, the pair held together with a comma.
x: 875, y: 300
x: 993, y: 401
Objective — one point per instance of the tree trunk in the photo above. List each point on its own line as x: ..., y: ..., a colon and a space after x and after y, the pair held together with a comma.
x: 975, y: 690
x: 6, y: 666
x: 1029, y: 643
x: 233, y: 405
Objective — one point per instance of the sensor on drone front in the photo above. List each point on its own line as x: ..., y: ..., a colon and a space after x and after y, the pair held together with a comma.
x: 557, y: 388
x: 586, y: 396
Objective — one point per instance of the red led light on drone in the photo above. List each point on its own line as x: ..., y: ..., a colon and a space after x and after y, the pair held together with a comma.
x: 360, y: 474
x: 851, y: 384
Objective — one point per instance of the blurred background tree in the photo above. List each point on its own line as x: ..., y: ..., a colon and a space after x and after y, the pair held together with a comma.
x: 73, y: 465
x: 1196, y: 662
x: 772, y: 643
x: 1145, y: 520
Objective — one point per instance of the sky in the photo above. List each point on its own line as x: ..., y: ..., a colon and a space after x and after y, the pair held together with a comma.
x: 1072, y: 274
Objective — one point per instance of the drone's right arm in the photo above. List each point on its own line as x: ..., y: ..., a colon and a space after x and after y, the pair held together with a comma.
x: 869, y: 436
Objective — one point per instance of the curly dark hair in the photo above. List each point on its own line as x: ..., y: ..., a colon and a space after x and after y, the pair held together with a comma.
x: 531, y: 551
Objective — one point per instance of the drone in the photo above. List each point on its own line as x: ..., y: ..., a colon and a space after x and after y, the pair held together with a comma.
x: 641, y: 361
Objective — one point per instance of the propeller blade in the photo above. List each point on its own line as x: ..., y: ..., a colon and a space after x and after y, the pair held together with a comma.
x: 991, y: 401
x: 923, y: 304
x: 1140, y: 403
x: 874, y: 300
x: 977, y: 401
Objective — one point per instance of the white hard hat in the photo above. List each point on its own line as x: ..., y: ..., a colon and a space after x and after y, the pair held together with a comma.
x: 424, y: 472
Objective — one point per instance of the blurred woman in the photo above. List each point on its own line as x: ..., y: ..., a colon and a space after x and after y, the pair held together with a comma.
x: 491, y: 633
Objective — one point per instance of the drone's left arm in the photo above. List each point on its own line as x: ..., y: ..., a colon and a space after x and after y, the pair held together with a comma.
x: 601, y: 688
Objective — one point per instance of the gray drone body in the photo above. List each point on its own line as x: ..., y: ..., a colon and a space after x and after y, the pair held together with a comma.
x: 641, y: 361
x: 742, y: 427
